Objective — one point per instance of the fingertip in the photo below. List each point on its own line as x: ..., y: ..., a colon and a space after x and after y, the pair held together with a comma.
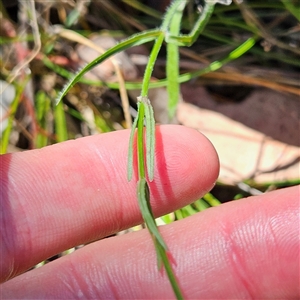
x: 187, y: 165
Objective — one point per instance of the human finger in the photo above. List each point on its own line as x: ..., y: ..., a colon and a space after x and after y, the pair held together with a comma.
x: 246, y: 249
x: 75, y: 192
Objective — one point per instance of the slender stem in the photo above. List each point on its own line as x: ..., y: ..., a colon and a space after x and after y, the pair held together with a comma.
x: 172, y: 67
x: 243, y: 48
x: 170, y: 13
x: 169, y: 270
x: 135, y: 40
x: 141, y: 112
x: 150, y: 65
x: 188, y: 40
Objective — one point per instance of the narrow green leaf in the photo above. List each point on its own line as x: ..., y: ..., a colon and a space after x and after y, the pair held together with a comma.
x: 168, y: 218
x: 130, y: 148
x: 294, y: 10
x: 170, y: 14
x: 151, y: 63
x: 187, y: 211
x: 239, y: 51
x: 188, y: 40
x: 60, y: 123
x: 140, y: 141
x: 236, y: 53
x: 172, y: 278
x: 72, y: 18
x: 42, y: 108
x: 135, y: 40
x: 150, y: 137
x: 201, y: 204
x: 101, y: 123
x: 172, y: 68
x: 211, y: 199
x: 4, y: 142
x: 158, y: 255
x: 143, y: 195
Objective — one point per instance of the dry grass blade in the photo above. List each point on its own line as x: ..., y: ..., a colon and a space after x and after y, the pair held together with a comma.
x: 73, y: 36
x: 240, y: 78
x: 30, y: 14
x: 253, y: 21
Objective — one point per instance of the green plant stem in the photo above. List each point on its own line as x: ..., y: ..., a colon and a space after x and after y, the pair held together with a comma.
x: 150, y: 65
x: 143, y: 194
x: 60, y: 123
x: 172, y: 67
x: 170, y: 14
x: 188, y: 40
x: 240, y: 50
x: 169, y: 271
x: 135, y: 40
x: 145, y: 110
x: 211, y: 199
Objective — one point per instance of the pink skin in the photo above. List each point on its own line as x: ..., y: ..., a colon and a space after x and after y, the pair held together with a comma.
x: 76, y: 192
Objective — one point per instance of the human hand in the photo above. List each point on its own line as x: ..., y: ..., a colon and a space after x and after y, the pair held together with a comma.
x: 76, y: 192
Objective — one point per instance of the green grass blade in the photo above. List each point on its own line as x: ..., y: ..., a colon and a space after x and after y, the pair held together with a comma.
x: 143, y: 195
x: 240, y: 50
x: 135, y: 40
x: 172, y: 68
x: 243, y: 48
x: 42, y: 108
x: 161, y: 248
x: 201, y: 205
x: 150, y: 65
x: 13, y: 108
x: 172, y: 278
x: 294, y: 10
x: 150, y: 138
x: 184, y: 212
x: 130, y: 148
x: 188, y: 40
x: 168, y: 218
x: 60, y: 123
x: 72, y: 18
x: 170, y: 14
x: 101, y: 124
x: 140, y: 141
x: 211, y: 199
